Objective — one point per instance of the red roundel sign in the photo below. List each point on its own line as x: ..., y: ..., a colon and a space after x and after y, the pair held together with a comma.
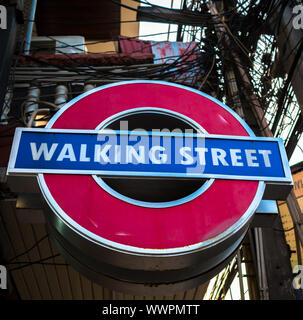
x: 113, y: 213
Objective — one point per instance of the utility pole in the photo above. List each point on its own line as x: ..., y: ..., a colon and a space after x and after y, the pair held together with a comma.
x: 273, y: 253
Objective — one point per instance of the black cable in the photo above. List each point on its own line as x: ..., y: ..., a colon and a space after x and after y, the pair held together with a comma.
x: 27, y: 264
x: 186, y: 14
x: 286, y: 87
x: 284, y: 230
x: 175, y: 69
x: 40, y: 263
x: 81, y: 22
x: 28, y: 250
x: 191, y: 12
x: 177, y: 63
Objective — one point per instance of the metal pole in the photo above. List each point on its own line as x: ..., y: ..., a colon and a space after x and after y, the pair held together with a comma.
x: 263, y: 285
x: 30, y: 25
x: 230, y: 75
x: 168, y: 31
x: 240, y: 274
x: 267, y: 268
x: 257, y: 108
x: 258, y: 262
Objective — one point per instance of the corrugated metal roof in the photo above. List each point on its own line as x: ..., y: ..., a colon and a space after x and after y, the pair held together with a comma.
x: 131, y: 45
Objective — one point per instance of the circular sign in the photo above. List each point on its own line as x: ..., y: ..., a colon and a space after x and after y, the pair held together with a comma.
x: 120, y: 215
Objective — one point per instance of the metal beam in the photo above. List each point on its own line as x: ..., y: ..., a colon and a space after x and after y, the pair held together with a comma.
x: 172, y: 16
x: 30, y: 26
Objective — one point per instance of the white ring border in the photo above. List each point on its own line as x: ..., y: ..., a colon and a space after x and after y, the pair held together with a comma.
x: 146, y: 251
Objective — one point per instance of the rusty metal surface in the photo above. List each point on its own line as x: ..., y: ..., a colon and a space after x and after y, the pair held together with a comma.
x: 183, y: 54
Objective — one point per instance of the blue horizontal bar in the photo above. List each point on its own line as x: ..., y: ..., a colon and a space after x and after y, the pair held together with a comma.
x: 146, y: 154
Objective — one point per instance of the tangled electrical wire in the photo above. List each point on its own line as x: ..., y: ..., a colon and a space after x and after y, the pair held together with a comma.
x: 245, y: 23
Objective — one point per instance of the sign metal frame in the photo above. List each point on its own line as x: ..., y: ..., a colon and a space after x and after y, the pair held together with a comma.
x: 70, y: 228
x: 145, y: 239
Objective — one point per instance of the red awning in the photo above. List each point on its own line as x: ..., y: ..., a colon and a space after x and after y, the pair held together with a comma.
x: 132, y: 45
x: 94, y: 59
